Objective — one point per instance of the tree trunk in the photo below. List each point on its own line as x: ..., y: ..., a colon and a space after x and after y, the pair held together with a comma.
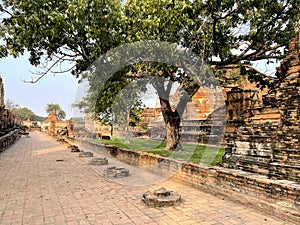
x: 172, y: 133
x: 172, y: 122
x: 172, y: 117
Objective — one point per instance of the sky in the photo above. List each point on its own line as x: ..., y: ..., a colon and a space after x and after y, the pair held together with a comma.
x: 60, y: 89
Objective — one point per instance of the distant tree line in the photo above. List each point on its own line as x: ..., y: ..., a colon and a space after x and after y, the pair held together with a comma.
x: 27, y: 114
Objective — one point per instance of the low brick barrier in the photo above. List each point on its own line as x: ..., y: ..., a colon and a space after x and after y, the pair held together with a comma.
x: 280, y: 198
x: 8, y: 139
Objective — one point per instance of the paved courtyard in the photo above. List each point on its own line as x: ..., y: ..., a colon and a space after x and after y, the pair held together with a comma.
x: 43, y: 183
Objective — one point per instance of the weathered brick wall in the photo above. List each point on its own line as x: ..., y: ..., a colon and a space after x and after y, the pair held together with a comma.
x: 7, y: 119
x: 251, y: 148
x: 8, y: 139
x: 286, y: 154
x: 52, y: 124
x: 265, y: 138
x: 201, y: 105
x: 269, y: 196
x: 273, y: 197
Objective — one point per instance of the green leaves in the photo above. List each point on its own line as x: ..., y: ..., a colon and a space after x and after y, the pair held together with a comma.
x: 51, y: 107
x: 220, y: 32
x: 225, y: 25
x: 154, y: 20
x: 24, y: 113
x: 89, y: 28
x: 68, y: 30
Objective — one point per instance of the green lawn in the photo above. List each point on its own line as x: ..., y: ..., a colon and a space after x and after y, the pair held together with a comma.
x: 194, y: 153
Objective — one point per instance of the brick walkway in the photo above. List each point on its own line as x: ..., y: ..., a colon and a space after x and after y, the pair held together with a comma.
x: 42, y: 182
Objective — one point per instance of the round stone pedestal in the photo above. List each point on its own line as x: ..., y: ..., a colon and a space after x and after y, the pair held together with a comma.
x: 161, y: 197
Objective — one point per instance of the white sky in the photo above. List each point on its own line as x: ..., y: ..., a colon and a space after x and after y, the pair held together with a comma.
x: 60, y: 89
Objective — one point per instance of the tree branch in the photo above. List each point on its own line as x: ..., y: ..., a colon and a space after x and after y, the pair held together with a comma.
x: 43, y: 74
x: 169, y: 87
x: 259, y: 72
x: 63, y: 71
x: 5, y: 11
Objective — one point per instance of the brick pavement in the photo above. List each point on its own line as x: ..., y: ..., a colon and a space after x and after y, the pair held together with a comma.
x: 43, y: 183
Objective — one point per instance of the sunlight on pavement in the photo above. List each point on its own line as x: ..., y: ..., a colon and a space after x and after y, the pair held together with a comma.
x: 47, y: 151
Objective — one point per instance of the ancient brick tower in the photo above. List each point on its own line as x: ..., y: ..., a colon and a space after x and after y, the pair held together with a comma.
x: 286, y: 153
x: 267, y: 140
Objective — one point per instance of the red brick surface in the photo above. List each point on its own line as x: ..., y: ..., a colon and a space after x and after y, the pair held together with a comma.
x: 36, y: 189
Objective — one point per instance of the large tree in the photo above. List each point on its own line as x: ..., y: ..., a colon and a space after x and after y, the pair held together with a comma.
x: 224, y: 33
x: 53, y: 107
x: 22, y: 112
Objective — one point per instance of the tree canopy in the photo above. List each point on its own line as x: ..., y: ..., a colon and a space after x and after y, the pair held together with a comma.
x: 22, y: 112
x: 59, y: 32
x: 226, y: 34
x: 52, y: 107
x: 234, y: 34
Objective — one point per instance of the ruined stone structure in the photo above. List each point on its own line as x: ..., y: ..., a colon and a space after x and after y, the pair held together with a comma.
x: 200, y: 106
x: 115, y: 172
x: 70, y: 127
x: 8, y: 121
x: 52, y: 124
x: 264, y: 136
x: 202, y: 120
x: 161, y: 197
x: 98, y: 161
x: 91, y: 128
x: 147, y: 116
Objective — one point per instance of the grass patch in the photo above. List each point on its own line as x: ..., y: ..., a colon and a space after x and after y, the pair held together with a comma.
x: 194, y: 153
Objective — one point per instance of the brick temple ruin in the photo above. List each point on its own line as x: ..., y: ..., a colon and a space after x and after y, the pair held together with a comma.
x: 244, y: 105
x: 195, y: 124
x: 264, y: 137
x: 7, y: 119
x: 8, y: 123
x: 262, y: 130
x: 54, y: 126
